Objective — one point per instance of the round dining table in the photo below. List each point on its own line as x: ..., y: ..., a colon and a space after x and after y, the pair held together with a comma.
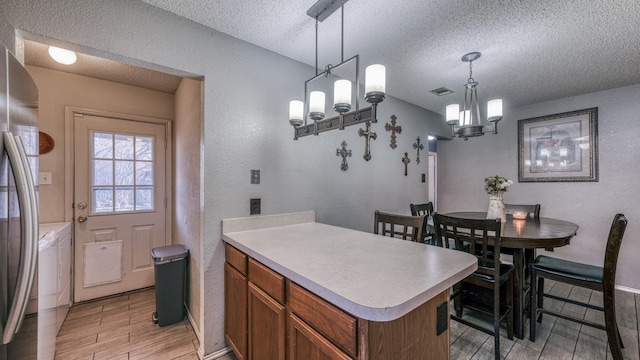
x: 521, y: 238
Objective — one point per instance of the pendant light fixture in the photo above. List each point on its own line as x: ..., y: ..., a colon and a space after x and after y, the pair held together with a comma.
x: 467, y: 122
x: 344, y: 90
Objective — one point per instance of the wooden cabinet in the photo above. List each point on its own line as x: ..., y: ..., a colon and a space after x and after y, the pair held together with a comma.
x: 306, y: 343
x: 270, y: 317
x: 235, y: 302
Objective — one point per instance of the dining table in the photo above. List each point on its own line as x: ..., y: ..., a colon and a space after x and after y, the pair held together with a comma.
x: 521, y: 238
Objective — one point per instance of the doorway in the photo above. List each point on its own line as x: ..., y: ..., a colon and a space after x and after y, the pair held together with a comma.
x: 121, y: 186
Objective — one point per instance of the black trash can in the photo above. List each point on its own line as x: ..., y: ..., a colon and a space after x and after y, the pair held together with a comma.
x: 170, y: 269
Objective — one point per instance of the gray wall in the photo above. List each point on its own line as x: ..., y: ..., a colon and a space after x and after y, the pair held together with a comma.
x: 463, y: 165
x: 245, y: 127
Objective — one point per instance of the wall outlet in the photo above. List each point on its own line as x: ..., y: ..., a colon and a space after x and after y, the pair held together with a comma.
x: 44, y: 178
x: 254, y: 206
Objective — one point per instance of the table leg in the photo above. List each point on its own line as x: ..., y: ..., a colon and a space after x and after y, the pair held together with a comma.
x: 518, y: 292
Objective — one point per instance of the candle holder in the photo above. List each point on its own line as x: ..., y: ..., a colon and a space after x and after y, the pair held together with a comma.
x: 520, y: 215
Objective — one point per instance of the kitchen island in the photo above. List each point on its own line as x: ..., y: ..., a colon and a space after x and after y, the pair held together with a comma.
x: 296, y: 286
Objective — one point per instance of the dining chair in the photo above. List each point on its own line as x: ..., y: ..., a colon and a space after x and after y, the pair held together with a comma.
x: 399, y: 226
x: 533, y: 211
x: 476, y: 236
x: 597, y: 278
x: 425, y: 210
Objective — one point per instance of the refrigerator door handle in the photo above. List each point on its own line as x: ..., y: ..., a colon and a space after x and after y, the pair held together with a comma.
x: 27, y: 199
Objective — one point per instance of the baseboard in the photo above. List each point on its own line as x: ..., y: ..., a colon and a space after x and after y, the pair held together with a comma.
x: 216, y: 354
x: 627, y: 289
x: 213, y: 355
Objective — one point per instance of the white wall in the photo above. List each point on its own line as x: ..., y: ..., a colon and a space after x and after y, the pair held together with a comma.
x: 188, y: 199
x: 463, y: 165
x: 246, y: 94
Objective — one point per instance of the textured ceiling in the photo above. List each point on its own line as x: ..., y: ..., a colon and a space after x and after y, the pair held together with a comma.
x: 532, y: 50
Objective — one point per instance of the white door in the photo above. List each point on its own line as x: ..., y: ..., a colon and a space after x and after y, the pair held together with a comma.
x: 119, y: 203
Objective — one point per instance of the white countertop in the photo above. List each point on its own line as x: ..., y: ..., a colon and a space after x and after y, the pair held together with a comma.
x: 370, y: 276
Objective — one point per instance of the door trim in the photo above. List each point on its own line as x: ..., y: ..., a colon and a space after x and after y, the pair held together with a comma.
x: 69, y: 161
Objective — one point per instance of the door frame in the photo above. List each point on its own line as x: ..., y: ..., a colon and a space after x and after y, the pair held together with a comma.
x: 69, y: 161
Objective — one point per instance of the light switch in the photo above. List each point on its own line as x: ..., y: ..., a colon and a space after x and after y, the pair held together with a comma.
x: 44, y: 178
x: 255, y: 176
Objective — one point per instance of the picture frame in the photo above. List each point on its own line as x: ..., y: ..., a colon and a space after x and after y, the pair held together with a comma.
x: 559, y: 148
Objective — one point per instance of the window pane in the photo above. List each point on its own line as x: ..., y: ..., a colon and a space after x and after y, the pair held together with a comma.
x: 144, y: 198
x: 102, y: 200
x: 102, y: 145
x: 144, y: 148
x: 102, y: 172
x: 124, y: 172
x: 124, y: 199
x: 124, y: 147
x: 144, y: 173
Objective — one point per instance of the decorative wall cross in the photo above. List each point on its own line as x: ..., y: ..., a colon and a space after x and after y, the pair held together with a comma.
x: 368, y: 134
x: 405, y: 161
x: 394, y: 130
x: 419, y: 147
x: 344, y: 153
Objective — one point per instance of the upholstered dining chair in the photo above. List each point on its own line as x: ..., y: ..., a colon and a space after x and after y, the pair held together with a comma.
x: 533, y: 211
x: 597, y: 278
x: 399, y: 226
x: 476, y: 236
x: 425, y: 210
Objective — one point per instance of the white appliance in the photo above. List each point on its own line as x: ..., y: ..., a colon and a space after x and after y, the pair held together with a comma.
x: 20, y: 335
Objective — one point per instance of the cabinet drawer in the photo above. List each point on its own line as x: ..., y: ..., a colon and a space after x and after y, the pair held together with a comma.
x: 333, y: 323
x: 268, y: 280
x: 236, y: 258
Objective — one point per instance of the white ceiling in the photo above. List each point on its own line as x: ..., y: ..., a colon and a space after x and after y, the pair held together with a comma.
x: 532, y: 50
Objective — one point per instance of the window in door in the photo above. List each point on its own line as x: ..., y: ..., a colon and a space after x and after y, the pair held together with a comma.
x: 122, y: 173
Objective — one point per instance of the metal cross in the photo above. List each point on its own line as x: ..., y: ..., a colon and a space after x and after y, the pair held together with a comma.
x: 405, y: 161
x: 368, y: 134
x: 394, y: 130
x: 419, y: 147
x: 344, y: 153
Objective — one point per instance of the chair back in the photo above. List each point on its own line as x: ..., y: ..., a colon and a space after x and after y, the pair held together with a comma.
x: 616, y: 233
x: 533, y: 211
x: 478, y: 237
x: 399, y: 226
x: 425, y: 209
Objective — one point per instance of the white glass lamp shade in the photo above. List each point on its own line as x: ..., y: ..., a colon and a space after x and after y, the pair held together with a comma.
x: 65, y: 57
x: 316, y: 105
x: 342, y: 96
x: 465, y: 117
x: 374, y: 85
x: 453, y: 114
x: 494, y: 110
x: 296, y: 110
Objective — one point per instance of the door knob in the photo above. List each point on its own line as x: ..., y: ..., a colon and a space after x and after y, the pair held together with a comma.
x: 82, y: 205
x: 82, y: 218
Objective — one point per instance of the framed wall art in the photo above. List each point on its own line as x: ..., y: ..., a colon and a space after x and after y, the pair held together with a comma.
x: 559, y: 147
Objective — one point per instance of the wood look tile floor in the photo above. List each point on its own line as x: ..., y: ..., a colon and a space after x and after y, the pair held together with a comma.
x: 121, y: 328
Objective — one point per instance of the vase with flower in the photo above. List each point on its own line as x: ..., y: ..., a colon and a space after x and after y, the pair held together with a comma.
x: 495, y: 186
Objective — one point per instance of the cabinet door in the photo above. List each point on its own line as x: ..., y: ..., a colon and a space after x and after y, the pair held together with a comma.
x: 306, y: 343
x: 235, y: 311
x: 266, y: 326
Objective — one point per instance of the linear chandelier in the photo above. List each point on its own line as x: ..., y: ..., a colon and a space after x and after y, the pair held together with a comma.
x: 344, y: 90
x: 467, y: 123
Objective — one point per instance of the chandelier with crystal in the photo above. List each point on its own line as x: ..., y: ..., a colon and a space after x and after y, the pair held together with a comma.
x: 345, y: 91
x: 467, y: 123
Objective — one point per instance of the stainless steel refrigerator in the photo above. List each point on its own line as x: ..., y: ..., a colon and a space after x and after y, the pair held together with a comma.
x: 20, y: 335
